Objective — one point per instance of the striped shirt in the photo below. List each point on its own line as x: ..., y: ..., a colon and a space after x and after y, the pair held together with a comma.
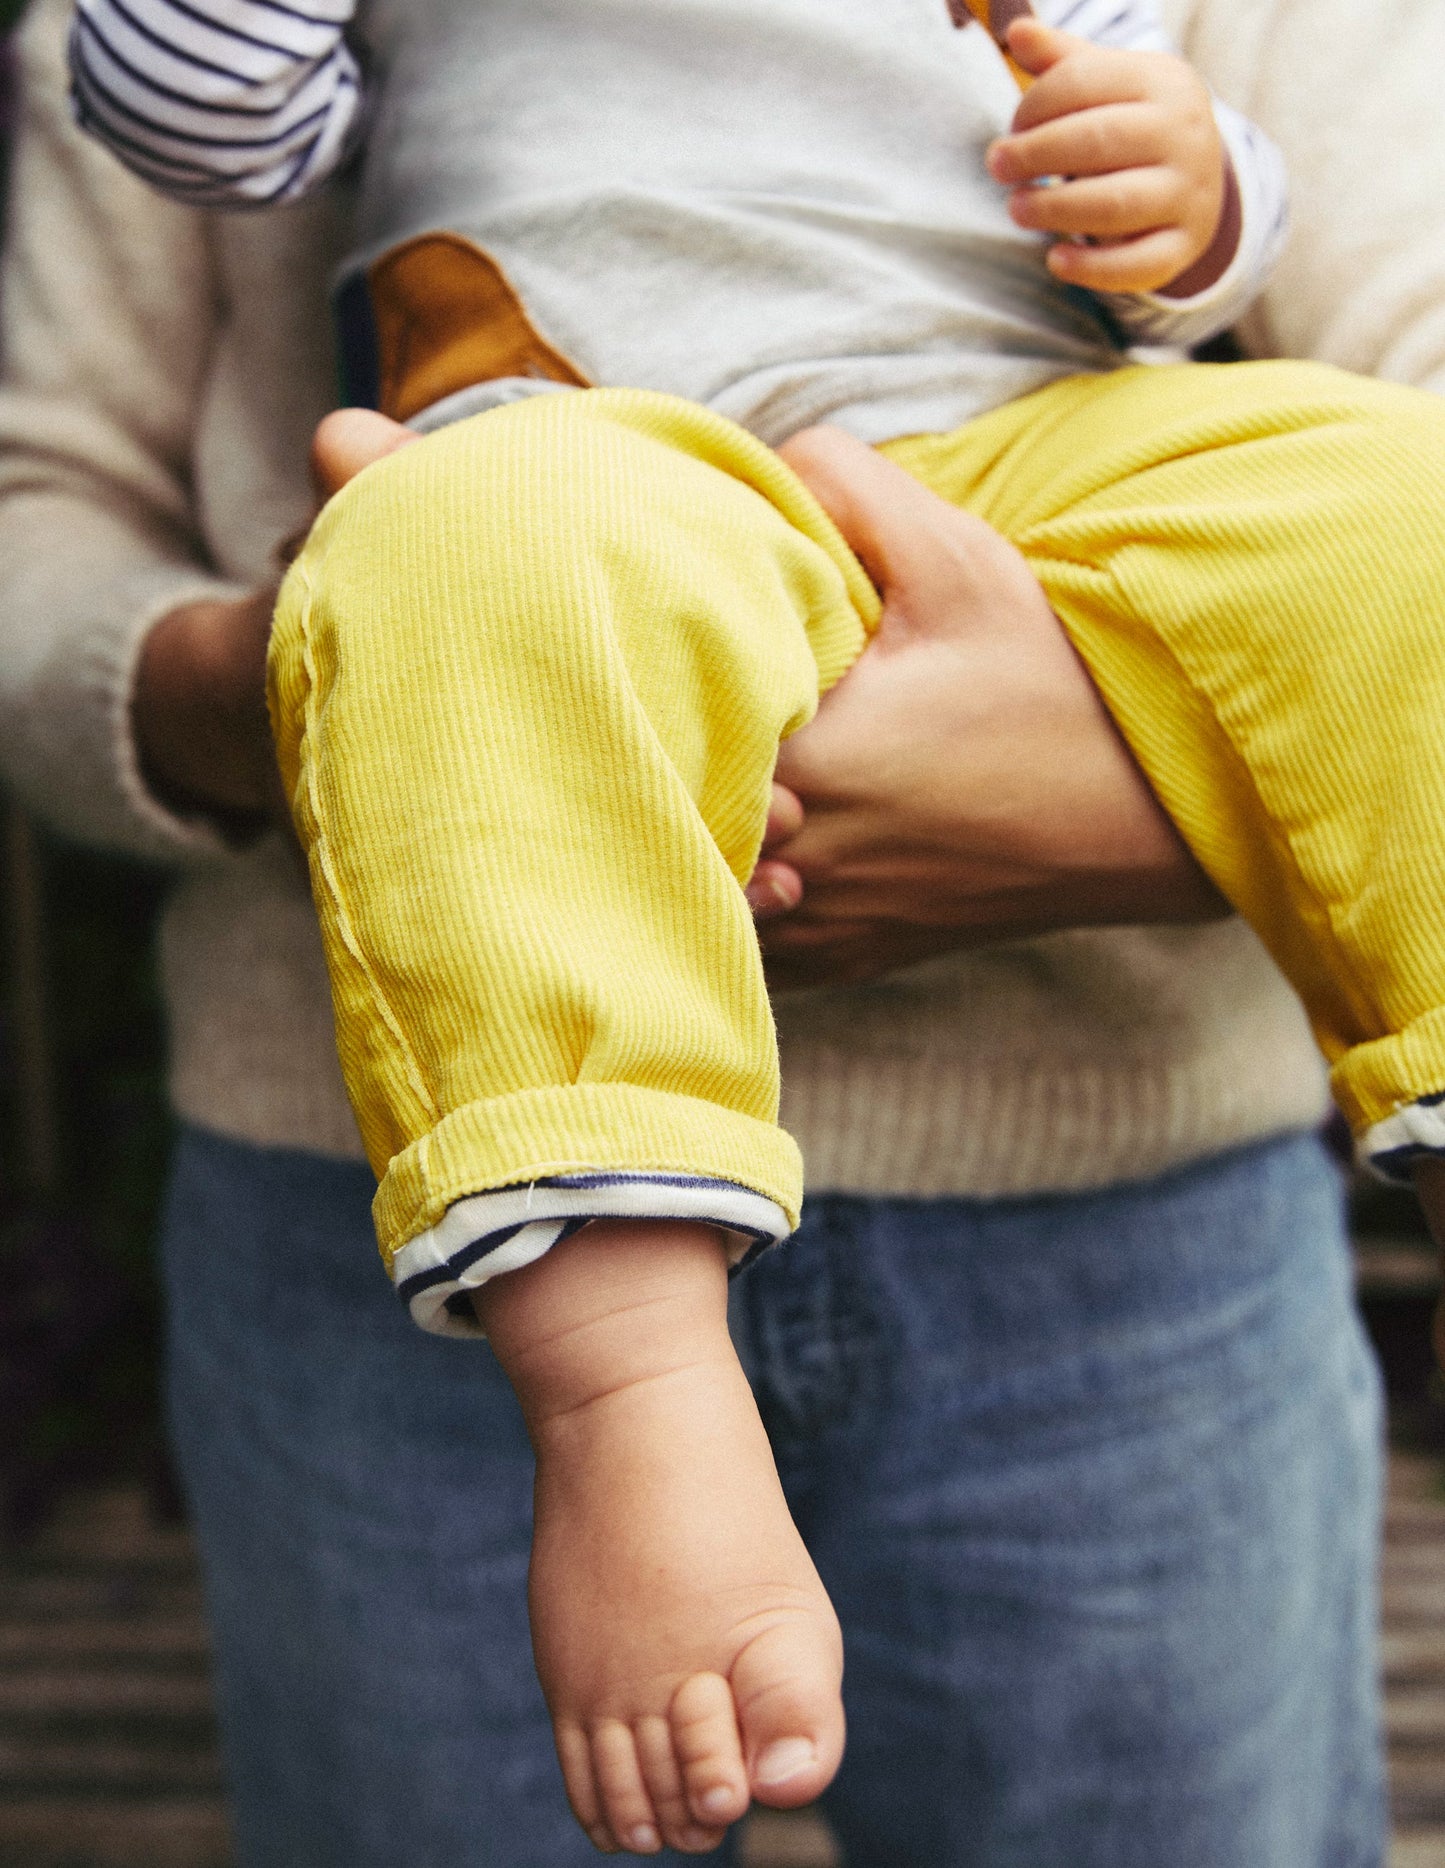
x: 221, y: 103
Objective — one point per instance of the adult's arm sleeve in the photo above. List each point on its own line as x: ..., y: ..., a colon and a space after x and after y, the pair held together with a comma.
x: 106, y: 320
x: 1350, y: 91
x: 220, y: 103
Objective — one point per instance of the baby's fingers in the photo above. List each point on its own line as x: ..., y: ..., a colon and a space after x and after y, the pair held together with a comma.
x: 1091, y: 142
x: 1036, y: 48
x: 1143, y: 265
x: 1105, y: 207
x: 1083, y: 77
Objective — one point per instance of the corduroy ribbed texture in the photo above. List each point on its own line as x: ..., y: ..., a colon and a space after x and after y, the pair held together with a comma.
x: 529, y: 678
x: 530, y: 674
x: 1251, y: 560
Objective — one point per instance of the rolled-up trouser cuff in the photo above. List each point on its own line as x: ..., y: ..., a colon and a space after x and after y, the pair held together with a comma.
x: 1392, y: 1093
x: 1390, y: 1147
x: 487, y: 1234
x: 572, y: 1137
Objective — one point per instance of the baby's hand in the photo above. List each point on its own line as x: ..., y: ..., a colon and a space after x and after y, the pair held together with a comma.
x: 1146, y: 175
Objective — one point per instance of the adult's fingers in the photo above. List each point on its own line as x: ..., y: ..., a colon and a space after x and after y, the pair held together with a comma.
x: 773, y: 889
x: 785, y: 817
x: 903, y: 534
x: 348, y: 440
x: 776, y: 888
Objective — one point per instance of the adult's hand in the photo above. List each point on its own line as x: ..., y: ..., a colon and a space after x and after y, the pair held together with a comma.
x: 198, y: 713
x: 962, y: 783
x: 198, y: 710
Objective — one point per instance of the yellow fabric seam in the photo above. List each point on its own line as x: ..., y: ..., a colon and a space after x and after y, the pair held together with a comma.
x: 321, y: 850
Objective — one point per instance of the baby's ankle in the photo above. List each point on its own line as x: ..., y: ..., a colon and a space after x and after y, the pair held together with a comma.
x: 684, y: 1642
x: 689, y: 1655
x: 619, y: 1304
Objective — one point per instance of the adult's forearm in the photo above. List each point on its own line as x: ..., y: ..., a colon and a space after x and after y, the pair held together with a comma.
x: 107, y: 331
x: 80, y: 586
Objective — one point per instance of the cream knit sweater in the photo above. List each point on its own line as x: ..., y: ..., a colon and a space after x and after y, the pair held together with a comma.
x: 164, y: 371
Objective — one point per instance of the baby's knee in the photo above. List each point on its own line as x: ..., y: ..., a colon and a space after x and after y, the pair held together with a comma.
x: 558, y: 487
x: 516, y: 479
x: 595, y: 541
x: 477, y: 534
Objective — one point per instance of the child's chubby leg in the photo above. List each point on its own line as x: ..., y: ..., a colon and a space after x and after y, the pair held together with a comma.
x: 689, y: 1655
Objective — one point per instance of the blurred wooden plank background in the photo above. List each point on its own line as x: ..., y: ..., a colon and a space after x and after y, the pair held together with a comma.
x: 107, y: 1746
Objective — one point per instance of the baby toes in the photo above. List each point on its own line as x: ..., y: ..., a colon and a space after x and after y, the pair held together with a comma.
x: 709, y: 1751
x: 662, y: 1774
x: 787, y: 1685
x: 626, y: 1806
x: 574, y: 1754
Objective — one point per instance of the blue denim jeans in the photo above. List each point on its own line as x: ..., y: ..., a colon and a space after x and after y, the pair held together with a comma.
x: 1093, y: 1482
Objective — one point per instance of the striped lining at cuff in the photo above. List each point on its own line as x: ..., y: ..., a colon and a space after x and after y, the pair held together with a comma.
x: 1389, y: 1147
x: 489, y: 1233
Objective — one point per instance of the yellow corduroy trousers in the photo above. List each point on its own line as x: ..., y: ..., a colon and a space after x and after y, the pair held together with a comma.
x: 529, y: 676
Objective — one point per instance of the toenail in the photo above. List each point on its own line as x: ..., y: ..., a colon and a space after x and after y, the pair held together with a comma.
x: 718, y: 1802
x: 644, y: 1838
x: 785, y: 1759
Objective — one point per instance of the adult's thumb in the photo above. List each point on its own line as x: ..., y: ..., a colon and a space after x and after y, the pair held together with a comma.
x: 350, y: 439
x: 913, y: 545
x: 882, y: 512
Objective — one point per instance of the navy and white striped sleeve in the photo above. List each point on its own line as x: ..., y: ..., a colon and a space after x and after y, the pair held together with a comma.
x: 220, y: 103
x: 489, y: 1234
x: 1259, y: 170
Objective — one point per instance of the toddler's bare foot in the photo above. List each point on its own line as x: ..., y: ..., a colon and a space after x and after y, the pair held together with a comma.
x: 690, y: 1657
x: 684, y: 1642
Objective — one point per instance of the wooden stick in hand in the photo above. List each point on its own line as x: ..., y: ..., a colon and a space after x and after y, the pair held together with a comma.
x: 995, y: 16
